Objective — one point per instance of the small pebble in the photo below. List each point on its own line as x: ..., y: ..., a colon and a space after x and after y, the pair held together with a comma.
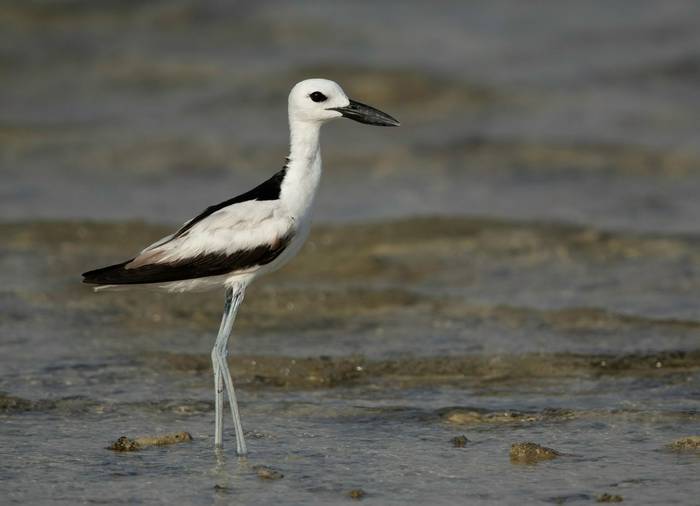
x: 267, y: 473
x: 459, y: 441
x: 356, y: 494
x: 609, y: 498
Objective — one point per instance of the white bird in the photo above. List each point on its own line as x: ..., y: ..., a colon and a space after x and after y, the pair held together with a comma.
x: 231, y: 243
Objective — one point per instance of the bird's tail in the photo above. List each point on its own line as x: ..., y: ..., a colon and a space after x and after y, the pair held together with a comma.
x: 111, y: 275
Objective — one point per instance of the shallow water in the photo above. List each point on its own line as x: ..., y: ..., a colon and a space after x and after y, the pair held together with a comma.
x: 549, y: 295
x: 357, y: 377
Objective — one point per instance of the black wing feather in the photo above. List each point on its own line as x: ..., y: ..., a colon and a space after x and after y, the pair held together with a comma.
x: 209, y: 264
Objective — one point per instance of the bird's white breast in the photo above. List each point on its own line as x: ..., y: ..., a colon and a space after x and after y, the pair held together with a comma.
x: 297, y: 197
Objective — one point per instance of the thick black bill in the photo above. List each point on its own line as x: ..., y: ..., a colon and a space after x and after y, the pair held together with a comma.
x: 366, y: 114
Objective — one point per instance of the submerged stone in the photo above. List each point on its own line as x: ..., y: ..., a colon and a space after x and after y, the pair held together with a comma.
x: 357, y: 494
x: 268, y: 473
x: 166, y: 439
x: 470, y: 416
x: 609, y: 498
x: 459, y: 441
x: 686, y: 443
x: 125, y: 444
x: 12, y: 404
x: 531, y: 453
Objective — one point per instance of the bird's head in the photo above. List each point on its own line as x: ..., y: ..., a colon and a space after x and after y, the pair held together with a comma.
x: 321, y: 100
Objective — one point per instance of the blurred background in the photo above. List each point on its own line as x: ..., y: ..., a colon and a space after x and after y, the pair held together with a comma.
x: 565, y: 111
x: 519, y: 261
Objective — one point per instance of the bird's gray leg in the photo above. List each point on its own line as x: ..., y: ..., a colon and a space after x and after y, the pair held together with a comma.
x: 219, y: 379
x: 218, y: 399
x: 234, y: 297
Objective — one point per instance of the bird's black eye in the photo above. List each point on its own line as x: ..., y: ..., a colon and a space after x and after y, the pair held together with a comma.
x: 317, y: 96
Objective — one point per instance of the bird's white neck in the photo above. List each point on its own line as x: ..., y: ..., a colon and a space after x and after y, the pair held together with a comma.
x: 304, y: 166
x: 304, y: 146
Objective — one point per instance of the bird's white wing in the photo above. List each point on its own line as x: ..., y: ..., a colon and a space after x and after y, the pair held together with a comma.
x: 240, y: 227
x: 238, y: 235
